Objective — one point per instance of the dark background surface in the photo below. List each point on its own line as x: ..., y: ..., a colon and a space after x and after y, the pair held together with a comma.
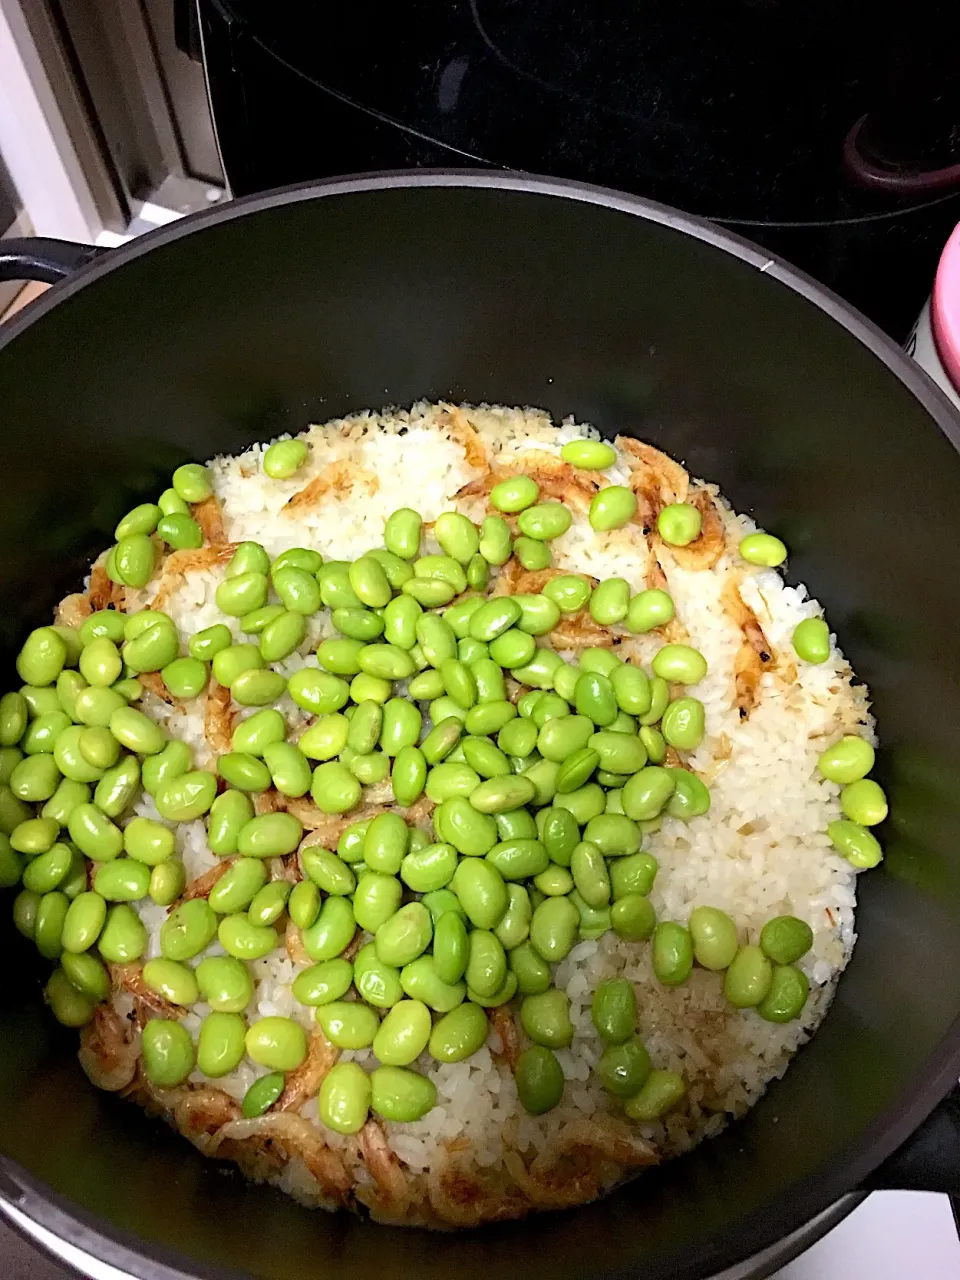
x: 736, y: 110
x: 22, y: 1261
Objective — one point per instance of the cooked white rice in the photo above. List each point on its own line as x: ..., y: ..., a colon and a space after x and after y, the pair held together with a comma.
x: 760, y: 851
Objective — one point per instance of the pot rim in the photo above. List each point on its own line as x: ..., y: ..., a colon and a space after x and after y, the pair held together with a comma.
x: 814, y: 1195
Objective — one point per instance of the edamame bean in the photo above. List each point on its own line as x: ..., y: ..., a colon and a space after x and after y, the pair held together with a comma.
x: 660, y: 1093
x: 470, y: 832
x: 344, y: 1098
x: 518, y: 737
x: 400, y: 727
x: 403, y: 1034
x: 763, y: 549
x: 846, y: 761
x: 152, y: 649
x: 94, y: 834
x: 206, y: 644
x: 539, y: 1079
x: 590, y: 874
x: 486, y: 963
x: 174, y: 981
x: 167, y: 882
x: 615, y: 835
x: 785, y: 939
x: 284, y: 459
x: 289, y: 768
x: 519, y: 859
x: 41, y: 659
x: 33, y: 780
x: 122, y: 880
x: 457, y: 536
x: 864, y: 802
x: 100, y: 662
x: 98, y: 747
x: 553, y: 928
x: 612, y: 507
x: 614, y: 1010
x: 364, y: 688
x: 304, y: 904
x: 690, y: 798
x: 405, y: 935
x: 167, y: 1052
x: 545, y: 522
x: 241, y: 938
x: 546, y: 1019
x: 260, y: 730
x: 401, y: 533
x: 277, y: 1043
x: 482, y: 892
x: 376, y: 899
x: 811, y: 640
x: 401, y: 1095
x: 646, y: 793
x: 400, y: 619
x: 714, y: 937
x: 334, y: 788
x: 623, y: 1068
x: 323, y: 983
x: 858, y: 845
x: 189, y: 796
x: 262, y: 1094
x: 317, y: 691
x: 46, y: 871
x: 269, y: 835
x: 633, y: 874
x: 229, y: 814
x: 249, y: 557
x: 584, y: 803
x: 348, y: 1025
x: 748, y: 978
x: 34, y: 836
x: 115, y: 790
x: 458, y: 1034
x: 502, y: 794
x: 332, y: 931
x: 561, y: 737
x: 11, y: 865
x: 244, y: 772
x: 191, y: 482
x: 595, y: 699
x: 648, y: 610
x: 225, y: 983
x: 187, y: 930
x: 123, y: 937
x: 87, y: 974
x: 679, y: 664
x: 236, y: 888
x: 683, y: 724
x: 589, y: 455
x: 788, y: 993
x: 13, y: 718
x: 679, y: 524
x: 137, y: 732
x: 620, y: 753
x: 672, y: 953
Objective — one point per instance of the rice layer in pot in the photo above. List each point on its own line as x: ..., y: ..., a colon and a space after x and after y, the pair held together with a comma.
x: 760, y: 851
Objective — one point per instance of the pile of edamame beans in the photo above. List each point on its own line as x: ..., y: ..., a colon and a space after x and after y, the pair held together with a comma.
x: 542, y: 803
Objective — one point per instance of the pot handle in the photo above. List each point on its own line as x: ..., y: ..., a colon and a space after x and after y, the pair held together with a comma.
x: 929, y: 1160
x: 45, y: 259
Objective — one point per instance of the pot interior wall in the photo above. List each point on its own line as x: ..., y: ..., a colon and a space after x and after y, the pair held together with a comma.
x: 312, y: 308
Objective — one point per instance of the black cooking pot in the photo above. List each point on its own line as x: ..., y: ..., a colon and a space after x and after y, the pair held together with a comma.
x: 291, y: 308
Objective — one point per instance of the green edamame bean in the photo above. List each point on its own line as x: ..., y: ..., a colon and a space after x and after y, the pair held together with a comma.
x: 174, y: 981
x: 612, y: 507
x: 564, y: 735
x: 518, y: 824
x: 284, y: 459
x: 256, y: 621
x: 482, y: 892
x: 383, y: 660
x: 502, y: 794
x: 325, y: 738
x: 299, y: 590
x: 33, y: 780
x: 518, y: 859
x: 401, y: 1095
x: 378, y: 983
x: 619, y: 753
x: 137, y: 732
x: 376, y: 899
x: 546, y: 1019
x: 167, y: 1052
x: 304, y: 558
x: 858, y: 845
x: 400, y: 726
x: 539, y: 1079
x: 42, y: 658
x: 864, y: 802
x: 595, y: 699
x: 514, y: 927
x: 46, y: 871
x: 369, y: 582
x: 289, y: 768
x: 98, y: 747
x: 262, y: 1094
x: 610, y: 601
x: 344, y: 1098
x: 590, y: 875
x: 191, y: 482
x: 115, y: 790
x: 13, y: 718
x: 679, y: 664
x: 401, y: 533
x: 256, y: 687
x: 584, y: 803
x: 152, y: 648
x: 683, y: 724
x: 304, y: 904
x: 403, y: 1034
x: 400, y: 619
x: 167, y: 882
x: 661, y: 1091
x: 659, y: 700
x: 846, y: 761
x: 87, y: 974
x: 277, y: 1043
x: 335, y: 589
x: 405, y: 935
x: 533, y: 555
x: 646, y: 793
x: 559, y: 833
x: 122, y: 880
x: 100, y: 662
x: 348, y: 1025
x: 238, y: 886
x: 553, y: 928
x: 364, y: 688
x: 496, y: 540
x: 714, y: 937
x: 633, y: 874
x: 649, y: 610
x: 69, y: 684
x: 187, y: 930
x: 518, y: 737
x: 589, y: 455
x: 283, y: 635
x: 623, y: 1068
x: 323, y: 983
x: 409, y: 775
x: 690, y: 798
x: 763, y: 549
x: 614, y: 1010
x: 457, y: 536
x: 494, y: 619
x: 458, y: 1034
x: 538, y: 614
x: 811, y: 640
x: 615, y: 835
x: 189, y: 796
x: 262, y: 729
x: 244, y: 772
x: 486, y: 963
x: 459, y: 682
x: 206, y: 644
x: 269, y: 835
x: 788, y: 993
x: 470, y: 832
x: 429, y: 868
x: 186, y: 678
x: 123, y: 937
x: 488, y: 676
x: 330, y: 872
x: 545, y: 522
x: 134, y: 559
x: 489, y: 717
x: 514, y: 494
x: 249, y: 557
x: 434, y: 979
x: 530, y: 969
x: 341, y: 656
x: 672, y: 953
x: 332, y: 931
x: 94, y: 834
x: 431, y: 592
x: 229, y: 814
x: 317, y: 691
x: 11, y: 864
x: 225, y: 983
x: 554, y: 882
x: 785, y: 939
x: 385, y: 843
x: 748, y: 978
x: 654, y: 743
x: 679, y: 524
x: 632, y: 917
x: 241, y: 938
x: 34, y: 836
x: 450, y: 779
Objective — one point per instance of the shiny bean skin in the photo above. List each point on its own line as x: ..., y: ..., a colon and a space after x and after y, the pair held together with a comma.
x: 748, y: 978
x: 672, y: 953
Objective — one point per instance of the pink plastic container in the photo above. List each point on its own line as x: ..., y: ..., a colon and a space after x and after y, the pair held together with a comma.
x: 935, y: 340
